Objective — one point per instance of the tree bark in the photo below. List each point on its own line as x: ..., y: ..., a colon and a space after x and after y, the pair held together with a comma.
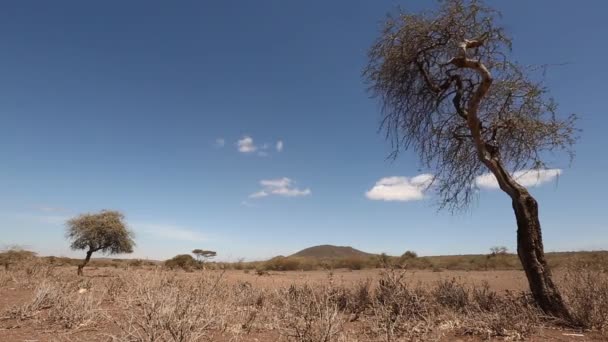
x: 85, y: 262
x: 532, y: 256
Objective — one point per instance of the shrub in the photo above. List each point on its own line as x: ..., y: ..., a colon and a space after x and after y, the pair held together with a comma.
x: 586, y: 291
x: 14, y: 256
x: 311, y: 315
x: 183, y: 261
x: 162, y: 308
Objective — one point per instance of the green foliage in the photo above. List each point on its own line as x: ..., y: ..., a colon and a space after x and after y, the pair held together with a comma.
x: 104, y: 231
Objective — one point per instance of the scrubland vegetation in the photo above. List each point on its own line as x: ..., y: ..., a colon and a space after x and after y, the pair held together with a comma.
x: 410, y: 261
x: 143, y: 301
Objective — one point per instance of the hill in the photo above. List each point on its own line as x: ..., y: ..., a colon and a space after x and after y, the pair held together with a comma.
x: 330, y: 252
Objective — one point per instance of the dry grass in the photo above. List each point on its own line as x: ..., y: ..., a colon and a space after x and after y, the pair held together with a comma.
x: 163, y: 305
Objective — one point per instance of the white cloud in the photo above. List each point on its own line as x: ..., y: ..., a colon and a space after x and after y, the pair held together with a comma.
x: 171, y: 232
x: 279, y: 187
x: 220, y: 142
x: 279, y: 146
x: 276, y: 183
x: 246, y: 145
x: 400, y: 188
x: 524, y: 177
x: 258, y: 194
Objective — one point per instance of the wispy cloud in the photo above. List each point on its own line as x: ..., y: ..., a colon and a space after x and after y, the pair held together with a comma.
x: 279, y: 146
x: 529, y: 178
x: 400, y: 188
x: 168, y: 231
x: 48, y: 209
x: 279, y: 187
x: 220, y: 142
x: 246, y: 145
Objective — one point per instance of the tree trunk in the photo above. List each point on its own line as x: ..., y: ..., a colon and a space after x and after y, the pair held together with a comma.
x: 84, y: 263
x: 532, y: 257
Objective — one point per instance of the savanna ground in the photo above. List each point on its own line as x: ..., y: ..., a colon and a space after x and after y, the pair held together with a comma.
x: 41, y: 301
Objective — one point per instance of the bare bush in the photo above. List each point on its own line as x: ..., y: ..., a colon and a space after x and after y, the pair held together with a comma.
x: 159, y: 307
x: 45, y: 295
x: 311, y: 315
x: 400, y: 310
x: 586, y: 291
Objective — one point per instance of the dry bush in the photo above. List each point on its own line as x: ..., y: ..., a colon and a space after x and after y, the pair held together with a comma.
x: 70, y: 304
x: 400, y: 310
x: 45, y: 296
x: 310, y: 314
x: 6, y: 278
x: 586, y: 291
x: 160, y: 307
x: 252, y: 309
x: 512, y: 317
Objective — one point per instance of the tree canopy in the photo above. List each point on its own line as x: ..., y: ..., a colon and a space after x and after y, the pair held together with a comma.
x: 450, y: 91
x: 104, y: 231
x: 204, y: 254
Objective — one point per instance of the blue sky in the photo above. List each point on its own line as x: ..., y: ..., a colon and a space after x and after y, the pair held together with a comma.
x: 140, y: 106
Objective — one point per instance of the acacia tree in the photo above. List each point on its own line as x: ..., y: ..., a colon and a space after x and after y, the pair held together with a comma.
x: 203, y: 255
x: 450, y: 92
x: 104, y: 231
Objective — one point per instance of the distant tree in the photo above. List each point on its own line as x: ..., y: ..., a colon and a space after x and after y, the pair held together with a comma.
x: 203, y: 255
x: 409, y: 255
x: 103, y: 232
x: 450, y: 92
x: 498, y: 250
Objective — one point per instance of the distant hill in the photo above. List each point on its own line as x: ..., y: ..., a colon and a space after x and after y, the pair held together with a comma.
x: 329, y: 251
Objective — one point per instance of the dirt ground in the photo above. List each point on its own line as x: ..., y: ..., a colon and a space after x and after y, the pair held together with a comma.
x: 35, y: 330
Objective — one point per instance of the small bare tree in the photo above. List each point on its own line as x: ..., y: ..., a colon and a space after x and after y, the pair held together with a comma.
x: 450, y: 92
x: 104, y: 231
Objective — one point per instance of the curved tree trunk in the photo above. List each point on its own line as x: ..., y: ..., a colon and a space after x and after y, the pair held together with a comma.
x: 84, y: 263
x: 529, y: 238
x: 532, y: 257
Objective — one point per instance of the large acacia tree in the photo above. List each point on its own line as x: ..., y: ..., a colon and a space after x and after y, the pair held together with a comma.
x: 450, y: 91
x: 105, y: 232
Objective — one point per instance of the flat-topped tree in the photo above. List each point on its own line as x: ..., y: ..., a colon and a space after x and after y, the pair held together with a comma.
x: 203, y: 255
x: 103, y: 232
x: 450, y: 92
